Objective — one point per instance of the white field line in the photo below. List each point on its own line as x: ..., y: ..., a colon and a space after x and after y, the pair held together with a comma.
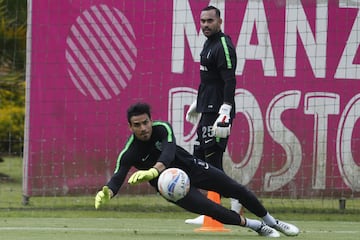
x: 84, y: 229
x: 50, y: 229
x: 331, y: 231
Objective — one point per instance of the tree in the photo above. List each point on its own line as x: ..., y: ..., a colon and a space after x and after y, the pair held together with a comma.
x: 13, y: 35
x: 12, y: 74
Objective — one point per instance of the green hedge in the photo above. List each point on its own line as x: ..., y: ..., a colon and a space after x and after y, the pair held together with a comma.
x: 12, y: 114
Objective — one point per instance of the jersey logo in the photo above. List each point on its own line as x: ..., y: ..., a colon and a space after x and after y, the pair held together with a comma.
x: 145, y: 158
x: 203, y: 68
x: 208, y: 55
x: 158, y: 146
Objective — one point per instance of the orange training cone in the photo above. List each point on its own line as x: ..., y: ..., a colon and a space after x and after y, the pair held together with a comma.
x: 210, y: 224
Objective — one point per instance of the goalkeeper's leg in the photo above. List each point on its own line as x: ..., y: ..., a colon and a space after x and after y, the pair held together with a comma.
x: 196, y: 202
x: 214, y: 156
x: 228, y: 187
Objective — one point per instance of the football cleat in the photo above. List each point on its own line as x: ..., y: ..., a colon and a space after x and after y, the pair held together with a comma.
x: 267, y: 231
x: 198, y: 220
x: 286, y: 228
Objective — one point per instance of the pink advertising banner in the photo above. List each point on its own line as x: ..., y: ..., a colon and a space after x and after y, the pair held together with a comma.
x: 296, y: 132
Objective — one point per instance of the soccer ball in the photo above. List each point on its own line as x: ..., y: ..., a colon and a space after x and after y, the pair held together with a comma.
x: 173, y: 184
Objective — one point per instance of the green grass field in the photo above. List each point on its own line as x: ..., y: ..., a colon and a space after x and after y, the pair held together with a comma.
x: 150, y: 217
x: 153, y: 228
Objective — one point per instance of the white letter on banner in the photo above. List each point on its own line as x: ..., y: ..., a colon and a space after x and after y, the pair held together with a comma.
x: 179, y: 98
x: 349, y: 170
x: 184, y: 23
x: 283, y: 136
x: 347, y: 69
x: 255, y: 16
x: 296, y: 21
x: 321, y: 105
x: 244, y: 171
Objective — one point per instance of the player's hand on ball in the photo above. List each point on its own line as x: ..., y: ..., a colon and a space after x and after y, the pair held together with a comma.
x: 191, y: 115
x: 221, y: 127
x: 143, y: 175
x: 102, y: 197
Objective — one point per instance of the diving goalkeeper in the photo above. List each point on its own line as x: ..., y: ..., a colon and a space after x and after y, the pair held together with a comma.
x: 151, y: 148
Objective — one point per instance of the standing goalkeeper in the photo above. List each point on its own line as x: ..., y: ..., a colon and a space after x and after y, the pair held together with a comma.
x: 215, y: 99
x: 152, y: 148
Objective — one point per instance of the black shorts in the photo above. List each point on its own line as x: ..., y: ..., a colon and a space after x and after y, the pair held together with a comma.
x: 205, y: 136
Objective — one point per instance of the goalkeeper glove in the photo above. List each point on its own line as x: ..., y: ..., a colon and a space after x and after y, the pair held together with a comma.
x: 221, y: 127
x: 102, y: 196
x: 143, y: 175
x: 191, y: 115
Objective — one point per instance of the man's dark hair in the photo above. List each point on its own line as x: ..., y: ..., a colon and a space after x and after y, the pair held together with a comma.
x: 138, y: 109
x: 217, y: 11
